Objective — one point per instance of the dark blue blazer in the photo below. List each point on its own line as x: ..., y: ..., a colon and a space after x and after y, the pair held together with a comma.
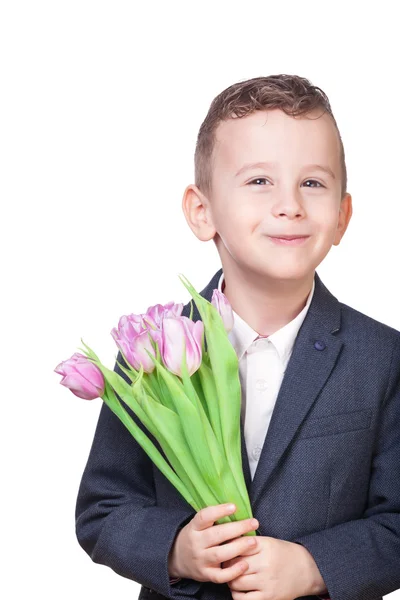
x: 328, y: 475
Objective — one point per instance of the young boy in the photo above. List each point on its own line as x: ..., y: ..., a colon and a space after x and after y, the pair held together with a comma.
x: 320, y: 383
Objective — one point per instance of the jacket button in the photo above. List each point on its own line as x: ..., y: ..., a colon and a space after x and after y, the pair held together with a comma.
x: 319, y: 345
x: 256, y: 452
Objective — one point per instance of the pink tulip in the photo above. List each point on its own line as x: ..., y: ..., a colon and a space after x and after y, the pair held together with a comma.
x: 155, y: 314
x: 222, y: 304
x: 134, y: 344
x: 81, y: 376
x: 135, y: 332
x: 175, y: 332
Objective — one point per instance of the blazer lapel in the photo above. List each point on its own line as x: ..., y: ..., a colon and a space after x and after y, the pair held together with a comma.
x: 307, y: 372
x: 245, y: 458
x: 308, y: 369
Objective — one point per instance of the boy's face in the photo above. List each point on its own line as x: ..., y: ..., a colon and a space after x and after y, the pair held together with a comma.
x: 289, y: 195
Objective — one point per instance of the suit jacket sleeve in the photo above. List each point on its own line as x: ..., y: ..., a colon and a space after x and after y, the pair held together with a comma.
x: 360, y: 559
x: 118, y: 521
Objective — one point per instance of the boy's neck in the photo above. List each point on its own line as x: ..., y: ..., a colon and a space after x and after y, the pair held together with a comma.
x: 267, y: 309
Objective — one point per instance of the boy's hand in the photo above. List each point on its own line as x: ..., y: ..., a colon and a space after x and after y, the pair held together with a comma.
x: 278, y: 570
x: 200, y: 547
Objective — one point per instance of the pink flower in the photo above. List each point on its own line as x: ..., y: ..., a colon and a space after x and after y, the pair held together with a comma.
x: 134, y: 343
x: 81, y: 376
x: 135, y: 334
x: 175, y: 332
x: 222, y: 304
x: 155, y: 314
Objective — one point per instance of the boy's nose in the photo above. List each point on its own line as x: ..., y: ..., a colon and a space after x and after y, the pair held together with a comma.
x: 289, y: 203
x: 289, y: 210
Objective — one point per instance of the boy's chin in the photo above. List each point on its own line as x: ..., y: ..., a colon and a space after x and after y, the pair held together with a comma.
x: 288, y: 274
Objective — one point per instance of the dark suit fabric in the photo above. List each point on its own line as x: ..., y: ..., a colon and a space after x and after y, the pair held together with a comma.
x: 328, y: 476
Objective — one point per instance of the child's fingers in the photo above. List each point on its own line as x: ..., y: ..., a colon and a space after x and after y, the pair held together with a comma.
x: 226, y: 552
x: 206, y: 517
x: 224, y: 532
x: 229, y: 573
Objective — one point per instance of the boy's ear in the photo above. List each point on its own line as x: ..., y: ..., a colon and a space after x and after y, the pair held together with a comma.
x: 345, y: 212
x: 197, y: 210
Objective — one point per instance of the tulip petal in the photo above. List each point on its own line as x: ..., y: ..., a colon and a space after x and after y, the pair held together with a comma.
x: 60, y: 369
x: 81, y: 388
x: 91, y: 373
x: 223, y: 306
x: 140, y: 344
x: 172, y: 344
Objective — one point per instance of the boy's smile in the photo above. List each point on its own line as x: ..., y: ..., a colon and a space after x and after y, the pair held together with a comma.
x: 273, y: 176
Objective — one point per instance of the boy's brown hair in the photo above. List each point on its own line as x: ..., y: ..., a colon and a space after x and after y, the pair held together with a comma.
x: 292, y: 94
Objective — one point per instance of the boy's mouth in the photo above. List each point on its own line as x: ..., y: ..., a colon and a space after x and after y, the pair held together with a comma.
x: 289, y: 240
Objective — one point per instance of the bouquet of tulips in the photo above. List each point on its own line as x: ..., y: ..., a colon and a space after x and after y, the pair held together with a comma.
x: 184, y: 388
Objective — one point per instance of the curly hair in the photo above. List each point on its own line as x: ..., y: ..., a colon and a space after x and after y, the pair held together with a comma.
x: 292, y: 94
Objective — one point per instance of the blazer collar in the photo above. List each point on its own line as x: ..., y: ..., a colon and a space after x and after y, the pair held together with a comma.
x: 242, y: 335
x: 324, y: 305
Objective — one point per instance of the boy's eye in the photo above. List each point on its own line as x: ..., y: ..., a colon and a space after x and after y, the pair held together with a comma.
x: 259, y: 179
x: 313, y: 181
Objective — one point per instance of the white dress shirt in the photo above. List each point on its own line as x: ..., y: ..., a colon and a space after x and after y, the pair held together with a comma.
x: 262, y: 364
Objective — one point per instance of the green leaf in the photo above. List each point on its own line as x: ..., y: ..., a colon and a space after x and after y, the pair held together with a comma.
x: 199, y: 391
x: 165, y: 393
x: 130, y: 394
x: 131, y: 374
x: 89, y: 352
x: 172, y: 441
x: 191, y: 425
x: 142, y: 439
x: 191, y: 310
x: 206, y: 379
x: 212, y: 442
x: 130, y: 367
x: 225, y: 369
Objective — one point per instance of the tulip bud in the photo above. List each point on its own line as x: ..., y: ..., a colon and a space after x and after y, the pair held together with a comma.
x: 155, y: 314
x: 81, y: 376
x: 134, y: 348
x: 177, y: 332
x: 135, y: 334
x: 222, y: 304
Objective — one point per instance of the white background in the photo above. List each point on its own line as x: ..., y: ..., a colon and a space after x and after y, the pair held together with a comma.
x: 101, y: 103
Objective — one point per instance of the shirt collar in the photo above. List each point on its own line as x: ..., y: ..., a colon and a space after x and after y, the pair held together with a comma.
x: 242, y: 335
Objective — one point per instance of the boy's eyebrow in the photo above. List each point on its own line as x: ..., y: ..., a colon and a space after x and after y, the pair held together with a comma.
x: 268, y: 165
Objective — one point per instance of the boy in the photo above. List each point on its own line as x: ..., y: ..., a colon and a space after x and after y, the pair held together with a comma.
x: 320, y: 382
